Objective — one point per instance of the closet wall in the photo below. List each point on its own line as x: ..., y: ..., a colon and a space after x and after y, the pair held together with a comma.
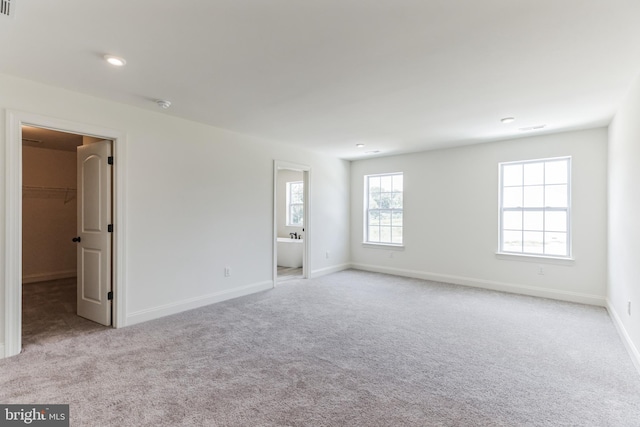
x: 49, y: 214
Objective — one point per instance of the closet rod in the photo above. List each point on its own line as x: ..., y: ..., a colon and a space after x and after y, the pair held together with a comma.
x: 30, y: 187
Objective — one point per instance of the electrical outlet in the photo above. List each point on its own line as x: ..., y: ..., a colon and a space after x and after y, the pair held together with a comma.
x: 327, y: 255
x: 227, y: 271
x: 541, y: 270
x: 629, y: 308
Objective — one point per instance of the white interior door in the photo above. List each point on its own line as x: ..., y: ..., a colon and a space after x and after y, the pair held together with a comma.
x: 94, y: 235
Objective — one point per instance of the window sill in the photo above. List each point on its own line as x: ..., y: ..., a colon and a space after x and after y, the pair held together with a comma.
x: 535, y: 258
x: 389, y: 246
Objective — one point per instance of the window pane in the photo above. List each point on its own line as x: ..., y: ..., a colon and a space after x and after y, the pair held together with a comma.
x: 396, y: 218
x: 385, y: 234
x: 296, y: 214
x: 534, y: 196
x: 555, y: 244
x: 396, y: 235
x: 386, y: 200
x: 534, y: 174
x: 396, y: 201
x: 385, y: 183
x: 374, y: 217
x: 385, y: 217
x: 398, y: 182
x: 374, y: 183
x: 511, y: 175
x: 533, y: 242
x: 512, y: 220
x: 296, y: 197
x: 512, y: 197
x: 556, y: 196
x: 374, y: 234
x: 555, y: 221
x: 556, y: 172
x: 533, y: 221
x: 512, y: 241
x: 374, y: 198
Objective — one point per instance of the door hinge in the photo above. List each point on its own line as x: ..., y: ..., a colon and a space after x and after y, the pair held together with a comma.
x: 110, y: 160
x: 110, y: 295
x: 110, y: 228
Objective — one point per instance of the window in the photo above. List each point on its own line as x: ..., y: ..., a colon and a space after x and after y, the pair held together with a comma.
x: 295, y: 204
x: 535, y: 207
x: 383, y: 210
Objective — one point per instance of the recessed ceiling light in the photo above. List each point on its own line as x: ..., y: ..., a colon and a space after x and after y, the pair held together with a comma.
x: 115, y: 60
x: 508, y: 120
x: 163, y: 103
x: 360, y: 145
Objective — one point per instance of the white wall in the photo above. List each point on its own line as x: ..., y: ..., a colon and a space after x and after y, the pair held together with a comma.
x: 451, y: 217
x: 198, y: 199
x: 48, y: 217
x: 284, y: 176
x: 624, y: 220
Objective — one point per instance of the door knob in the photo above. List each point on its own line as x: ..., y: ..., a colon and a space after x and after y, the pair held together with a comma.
x: 76, y: 239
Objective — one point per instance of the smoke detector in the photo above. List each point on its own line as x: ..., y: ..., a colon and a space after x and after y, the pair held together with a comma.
x: 163, y: 104
x: 8, y: 8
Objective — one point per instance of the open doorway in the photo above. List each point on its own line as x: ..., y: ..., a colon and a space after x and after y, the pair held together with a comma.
x: 54, y: 291
x: 13, y: 242
x: 291, y: 221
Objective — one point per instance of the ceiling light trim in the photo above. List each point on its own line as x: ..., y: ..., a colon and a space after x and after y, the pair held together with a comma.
x: 116, y: 61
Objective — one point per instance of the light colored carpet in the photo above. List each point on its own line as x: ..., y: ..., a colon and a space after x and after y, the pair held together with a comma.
x: 348, y: 349
x: 49, y: 313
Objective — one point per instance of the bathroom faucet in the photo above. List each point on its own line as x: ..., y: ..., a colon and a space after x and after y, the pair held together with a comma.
x: 294, y: 235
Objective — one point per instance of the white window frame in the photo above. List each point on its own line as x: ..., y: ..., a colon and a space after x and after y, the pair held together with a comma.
x: 502, y: 209
x: 366, y: 240
x: 291, y: 205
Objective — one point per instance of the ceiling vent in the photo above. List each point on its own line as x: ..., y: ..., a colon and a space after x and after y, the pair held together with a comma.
x: 530, y: 128
x: 7, y: 8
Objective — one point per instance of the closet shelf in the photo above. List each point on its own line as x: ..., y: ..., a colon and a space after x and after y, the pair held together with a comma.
x: 65, y: 193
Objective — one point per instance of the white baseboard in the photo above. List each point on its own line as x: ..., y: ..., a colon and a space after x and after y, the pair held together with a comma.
x: 196, y: 302
x: 626, y: 339
x: 2, y: 353
x: 43, y: 277
x: 329, y: 270
x: 488, y: 284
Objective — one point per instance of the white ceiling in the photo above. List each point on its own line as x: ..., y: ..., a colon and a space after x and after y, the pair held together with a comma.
x: 396, y: 75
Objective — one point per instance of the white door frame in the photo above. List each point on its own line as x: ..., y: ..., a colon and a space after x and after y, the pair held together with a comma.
x: 306, y: 256
x: 13, y: 218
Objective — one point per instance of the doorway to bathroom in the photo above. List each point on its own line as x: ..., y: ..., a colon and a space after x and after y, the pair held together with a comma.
x: 291, y: 221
